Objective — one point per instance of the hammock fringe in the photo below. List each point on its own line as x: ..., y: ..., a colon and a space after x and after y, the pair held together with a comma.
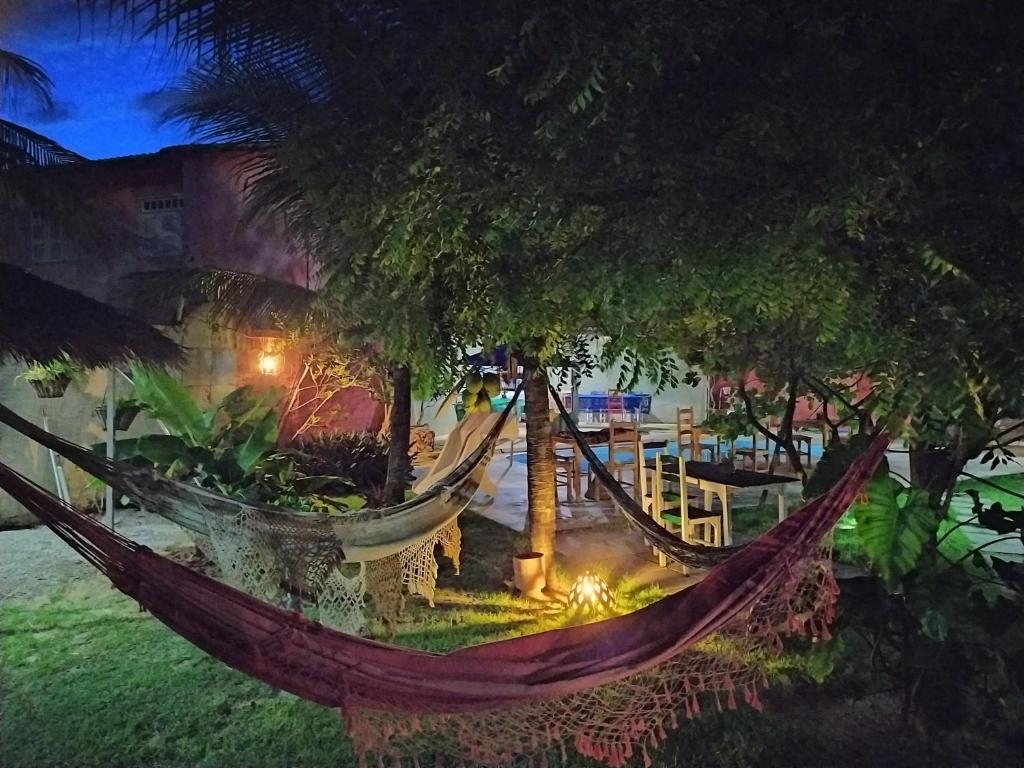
x: 279, y: 554
x: 609, y: 688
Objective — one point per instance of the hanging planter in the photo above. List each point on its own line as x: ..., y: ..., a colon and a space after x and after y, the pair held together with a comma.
x: 125, y: 412
x: 51, y: 388
x: 51, y: 379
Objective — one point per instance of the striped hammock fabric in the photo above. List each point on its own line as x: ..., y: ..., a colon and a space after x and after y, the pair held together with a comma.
x: 609, y: 690
x: 281, y: 555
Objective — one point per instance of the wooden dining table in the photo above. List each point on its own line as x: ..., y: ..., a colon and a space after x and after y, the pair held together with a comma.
x: 721, y: 480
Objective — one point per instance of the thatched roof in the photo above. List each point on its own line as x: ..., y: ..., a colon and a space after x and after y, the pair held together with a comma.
x: 40, y: 321
x: 229, y: 296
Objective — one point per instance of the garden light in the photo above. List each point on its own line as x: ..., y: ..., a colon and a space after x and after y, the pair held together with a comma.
x: 269, y: 364
x: 591, y: 593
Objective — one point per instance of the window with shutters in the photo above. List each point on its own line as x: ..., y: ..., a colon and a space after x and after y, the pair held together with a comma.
x: 49, y: 242
x: 163, y: 225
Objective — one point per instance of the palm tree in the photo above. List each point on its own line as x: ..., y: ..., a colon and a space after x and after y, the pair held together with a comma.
x: 304, y: 81
x: 23, y: 79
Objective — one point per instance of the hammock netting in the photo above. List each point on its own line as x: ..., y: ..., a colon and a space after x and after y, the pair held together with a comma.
x: 609, y: 689
x: 291, y: 557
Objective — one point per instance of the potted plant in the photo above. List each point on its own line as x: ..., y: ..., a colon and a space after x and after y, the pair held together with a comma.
x: 125, y: 410
x: 51, y: 379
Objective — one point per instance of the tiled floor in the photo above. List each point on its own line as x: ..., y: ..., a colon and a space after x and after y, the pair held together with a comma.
x: 591, y: 535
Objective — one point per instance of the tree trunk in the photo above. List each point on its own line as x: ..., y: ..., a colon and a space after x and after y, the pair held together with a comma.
x: 935, y: 470
x: 398, y: 440
x: 540, y: 466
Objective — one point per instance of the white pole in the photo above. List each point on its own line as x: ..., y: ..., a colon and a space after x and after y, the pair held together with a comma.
x: 59, y: 481
x: 108, y: 494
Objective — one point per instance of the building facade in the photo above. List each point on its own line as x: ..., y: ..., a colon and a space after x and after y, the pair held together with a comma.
x: 177, y: 209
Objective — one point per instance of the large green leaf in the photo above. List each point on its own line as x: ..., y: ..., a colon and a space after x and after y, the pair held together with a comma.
x: 260, y: 441
x: 246, y: 405
x: 166, y: 399
x: 893, y: 524
x: 161, y: 450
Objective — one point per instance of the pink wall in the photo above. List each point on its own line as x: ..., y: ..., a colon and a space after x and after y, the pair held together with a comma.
x: 805, y: 409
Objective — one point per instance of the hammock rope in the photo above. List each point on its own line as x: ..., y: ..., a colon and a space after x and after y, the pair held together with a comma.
x: 675, y: 548
x: 280, y: 554
x: 607, y: 689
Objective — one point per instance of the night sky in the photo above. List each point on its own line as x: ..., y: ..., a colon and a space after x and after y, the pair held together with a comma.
x: 107, y: 82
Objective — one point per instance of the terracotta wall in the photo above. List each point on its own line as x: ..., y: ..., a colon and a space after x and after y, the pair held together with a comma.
x: 723, y: 389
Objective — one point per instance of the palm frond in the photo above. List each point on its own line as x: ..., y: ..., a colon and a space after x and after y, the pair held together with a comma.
x: 251, y: 99
x: 20, y: 77
x: 215, y: 28
x: 228, y: 296
x: 259, y: 103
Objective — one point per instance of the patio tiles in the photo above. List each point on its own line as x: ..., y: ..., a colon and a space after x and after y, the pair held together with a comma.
x: 594, y: 535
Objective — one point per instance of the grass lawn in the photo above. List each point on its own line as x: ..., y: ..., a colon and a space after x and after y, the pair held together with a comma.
x: 87, y: 680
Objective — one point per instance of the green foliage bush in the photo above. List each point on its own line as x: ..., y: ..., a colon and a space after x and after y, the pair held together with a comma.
x: 230, y: 448
x: 360, y: 458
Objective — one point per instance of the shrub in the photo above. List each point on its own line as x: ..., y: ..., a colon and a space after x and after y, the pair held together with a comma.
x: 360, y: 457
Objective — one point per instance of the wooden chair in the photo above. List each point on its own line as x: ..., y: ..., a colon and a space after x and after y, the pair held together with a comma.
x: 624, y: 435
x: 566, y: 466
x: 673, y: 510
x: 803, y: 445
x: 749, y: 458
x: 565, y: 474
x: 690, y: 437
x: 760, y: 456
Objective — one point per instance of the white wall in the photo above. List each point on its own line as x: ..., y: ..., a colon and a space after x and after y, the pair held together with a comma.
x: 663, y: 405
x: 209, y: 373
x: 69, y: 417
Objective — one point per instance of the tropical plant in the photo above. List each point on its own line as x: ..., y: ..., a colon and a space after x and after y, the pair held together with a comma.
x: 218, y: 447
x: 232, y: 449
x: 63, y: 368
x: 942, y: 620
x: 361, y: 458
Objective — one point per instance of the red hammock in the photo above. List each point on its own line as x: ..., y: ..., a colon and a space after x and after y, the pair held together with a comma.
x: 298, y: 655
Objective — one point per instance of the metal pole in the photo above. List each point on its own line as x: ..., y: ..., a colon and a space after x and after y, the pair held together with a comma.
x: 60, y: 482
x: 108, y: 494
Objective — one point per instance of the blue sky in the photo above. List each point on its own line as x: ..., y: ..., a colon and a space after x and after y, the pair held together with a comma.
x: 107, y: 82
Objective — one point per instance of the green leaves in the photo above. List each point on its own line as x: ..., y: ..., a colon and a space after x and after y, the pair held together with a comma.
x: 162, y: 450
x: 166, y: 399
x: 995, y: 517
x: 894, y: 523
x: 261, y: 440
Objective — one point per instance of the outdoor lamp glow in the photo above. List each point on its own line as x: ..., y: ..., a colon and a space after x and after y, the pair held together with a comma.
x: 269, y: 364
x: 591, y: 593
